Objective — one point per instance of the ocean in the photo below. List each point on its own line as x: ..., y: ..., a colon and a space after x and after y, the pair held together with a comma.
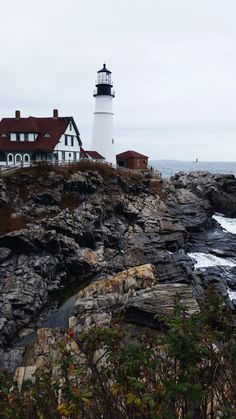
x: 170, y: 167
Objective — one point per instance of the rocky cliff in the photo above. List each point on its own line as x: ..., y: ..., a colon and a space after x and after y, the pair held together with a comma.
x: 63, y: 228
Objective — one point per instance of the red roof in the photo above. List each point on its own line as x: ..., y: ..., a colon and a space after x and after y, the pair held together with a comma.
x: 48, y: 130
x: 93, y: 154
x: 130, y: 154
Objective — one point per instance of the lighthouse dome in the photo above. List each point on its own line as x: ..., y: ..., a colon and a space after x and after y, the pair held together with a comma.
x: 104, y: 83
x: 104, y: 70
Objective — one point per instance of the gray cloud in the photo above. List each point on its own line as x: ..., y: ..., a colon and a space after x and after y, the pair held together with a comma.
x: 173, y: 64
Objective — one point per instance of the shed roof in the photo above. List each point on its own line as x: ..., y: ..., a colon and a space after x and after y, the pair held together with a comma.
x: 93, y: 154
x: 131, y: 155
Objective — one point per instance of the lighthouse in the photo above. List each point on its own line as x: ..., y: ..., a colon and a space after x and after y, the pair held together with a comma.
x: 103, y: 126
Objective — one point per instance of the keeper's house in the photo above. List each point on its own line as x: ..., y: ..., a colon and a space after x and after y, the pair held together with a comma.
x: 132, y: 160
x: 23, y: 140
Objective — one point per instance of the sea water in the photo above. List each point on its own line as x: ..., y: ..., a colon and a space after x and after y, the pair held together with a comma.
x: 170, y: 167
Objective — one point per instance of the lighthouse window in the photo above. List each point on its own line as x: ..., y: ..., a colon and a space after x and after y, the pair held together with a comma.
x: 112, y: 141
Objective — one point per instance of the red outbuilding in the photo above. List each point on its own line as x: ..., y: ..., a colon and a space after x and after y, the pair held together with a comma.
x: 132, y: 160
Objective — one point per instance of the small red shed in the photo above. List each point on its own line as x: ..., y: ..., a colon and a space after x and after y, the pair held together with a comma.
x: 132, y: 160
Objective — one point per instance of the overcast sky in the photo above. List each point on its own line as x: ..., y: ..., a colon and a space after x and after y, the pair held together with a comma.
x: 173, y: 65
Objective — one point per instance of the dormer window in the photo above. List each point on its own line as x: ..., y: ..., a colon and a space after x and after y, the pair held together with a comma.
x: 47, y: 135
x: 26, y: 136
x: 17, y: 136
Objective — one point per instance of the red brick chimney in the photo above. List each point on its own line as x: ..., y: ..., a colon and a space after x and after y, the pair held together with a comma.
x: 17, y: 114
x: 55, y: 113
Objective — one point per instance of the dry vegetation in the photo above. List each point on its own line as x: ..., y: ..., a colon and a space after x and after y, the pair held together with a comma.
x: 43, y: 169
x: 10, y: 223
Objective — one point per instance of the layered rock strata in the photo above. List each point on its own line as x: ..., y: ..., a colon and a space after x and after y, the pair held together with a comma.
x: 70, y: 228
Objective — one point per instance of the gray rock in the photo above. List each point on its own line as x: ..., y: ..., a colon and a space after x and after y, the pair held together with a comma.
x: 4, y: 253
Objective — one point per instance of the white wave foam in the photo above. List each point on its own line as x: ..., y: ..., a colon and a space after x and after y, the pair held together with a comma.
x: 204, y: 260
x: 232, y: 294
x: 228, y: 224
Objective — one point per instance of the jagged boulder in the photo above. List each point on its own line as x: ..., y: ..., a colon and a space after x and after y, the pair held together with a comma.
x: 134, y: 292
x: 219, y: 190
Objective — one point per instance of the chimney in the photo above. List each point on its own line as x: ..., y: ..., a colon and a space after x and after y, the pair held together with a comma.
x: 55, y: 113
x: 17, y: 114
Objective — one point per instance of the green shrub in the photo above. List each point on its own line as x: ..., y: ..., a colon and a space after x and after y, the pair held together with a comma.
x: 188, y: 372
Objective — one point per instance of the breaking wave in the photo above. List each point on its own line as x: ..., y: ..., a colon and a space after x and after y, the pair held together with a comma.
x: 204, y: 260
x: 228, y: 224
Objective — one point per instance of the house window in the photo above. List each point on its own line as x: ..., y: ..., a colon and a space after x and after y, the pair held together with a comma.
x: 18, y: 158
x: 10, y: 158
x: 26, y: 157
x: 69, y: 155
x: 47, y: 135
x: 72, y: 141
x: 70, y: 126
x: 63, y: 155
x: 66, y: 140
x: 144, y: 161
x: 26, y: 137
x: 17, y: 137
x: 74, y: 155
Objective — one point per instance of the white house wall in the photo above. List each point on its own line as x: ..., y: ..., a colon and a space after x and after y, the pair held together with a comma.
x: 68, y: 149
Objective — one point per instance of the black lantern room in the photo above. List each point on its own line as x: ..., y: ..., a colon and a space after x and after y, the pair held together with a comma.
x: 104, y: 83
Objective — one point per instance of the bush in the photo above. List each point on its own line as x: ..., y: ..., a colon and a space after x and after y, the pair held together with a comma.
x: 189, y: 372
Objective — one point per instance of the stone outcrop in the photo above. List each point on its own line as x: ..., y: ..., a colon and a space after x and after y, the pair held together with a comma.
x: 134, y: 293
x: 82, y: 226
x: 96, y: 303
x: 219, y: 190
x: 148, y: 306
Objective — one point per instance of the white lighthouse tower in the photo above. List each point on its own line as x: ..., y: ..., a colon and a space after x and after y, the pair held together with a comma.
x: 103, y: 126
